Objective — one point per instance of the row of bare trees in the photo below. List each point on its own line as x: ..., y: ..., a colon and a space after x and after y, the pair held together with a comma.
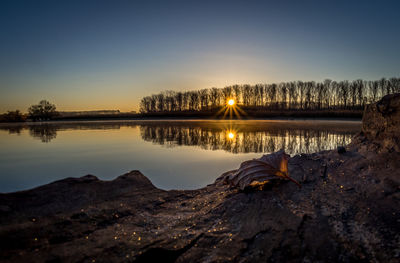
x: 296, y: 95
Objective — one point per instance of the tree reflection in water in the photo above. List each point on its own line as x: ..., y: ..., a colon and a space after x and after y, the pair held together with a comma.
x: 13, y: 129
x: 237, y: 136
x: 295, y: 138
x: 45, y: 133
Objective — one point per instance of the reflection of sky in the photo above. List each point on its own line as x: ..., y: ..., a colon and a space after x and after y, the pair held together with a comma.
x: 108, y: 54
x: 26, y: 162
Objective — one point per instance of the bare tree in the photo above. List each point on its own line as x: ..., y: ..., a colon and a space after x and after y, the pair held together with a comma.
x: 237, y: 90
x: 214, y: 97
x: 204, y: 99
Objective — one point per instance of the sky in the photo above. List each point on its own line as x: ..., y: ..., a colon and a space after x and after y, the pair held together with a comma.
x: 92, y: 55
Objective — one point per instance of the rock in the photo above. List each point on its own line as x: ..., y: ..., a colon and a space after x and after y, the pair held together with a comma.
x: 346, y: 211
x: 257, y: 173
x: 381, y: 122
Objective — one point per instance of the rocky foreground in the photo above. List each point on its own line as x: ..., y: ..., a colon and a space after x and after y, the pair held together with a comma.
x: 347, y: 210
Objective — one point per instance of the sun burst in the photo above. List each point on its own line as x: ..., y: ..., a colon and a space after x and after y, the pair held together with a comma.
x: 231, y: 110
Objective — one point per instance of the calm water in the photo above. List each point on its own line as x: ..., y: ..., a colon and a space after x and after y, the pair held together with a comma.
x: 173, y: 154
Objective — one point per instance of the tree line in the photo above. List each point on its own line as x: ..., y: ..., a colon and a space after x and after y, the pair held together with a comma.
x: 295, y: 95
x: 42, y: 111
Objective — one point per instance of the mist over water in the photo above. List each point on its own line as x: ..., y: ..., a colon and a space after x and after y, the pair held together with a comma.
x: 172, y: 154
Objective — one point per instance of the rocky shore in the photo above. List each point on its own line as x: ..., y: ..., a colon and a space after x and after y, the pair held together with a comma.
x: 347, y: 210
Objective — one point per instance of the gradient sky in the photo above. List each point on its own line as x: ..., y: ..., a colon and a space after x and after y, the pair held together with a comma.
x: 88, y: 55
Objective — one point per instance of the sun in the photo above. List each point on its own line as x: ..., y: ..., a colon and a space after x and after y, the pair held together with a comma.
x: 230, y: 134
x: 231, y: 108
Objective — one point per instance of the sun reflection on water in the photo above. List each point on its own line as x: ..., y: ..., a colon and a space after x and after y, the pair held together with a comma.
x: 230, y: 134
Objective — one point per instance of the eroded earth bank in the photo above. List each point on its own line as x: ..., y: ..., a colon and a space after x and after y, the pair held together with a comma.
x: 347, y: 210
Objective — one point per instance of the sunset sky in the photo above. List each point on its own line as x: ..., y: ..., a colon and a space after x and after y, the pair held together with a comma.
x: 90, y: 55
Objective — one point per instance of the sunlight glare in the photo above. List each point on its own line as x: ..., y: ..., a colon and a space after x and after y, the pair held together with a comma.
x: 231, y: 102
x: 230, y: 134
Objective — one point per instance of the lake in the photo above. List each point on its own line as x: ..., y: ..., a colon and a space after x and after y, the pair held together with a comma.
x: 185, y: 154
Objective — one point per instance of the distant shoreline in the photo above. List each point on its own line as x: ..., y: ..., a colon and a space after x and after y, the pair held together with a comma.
x: 211, y: 115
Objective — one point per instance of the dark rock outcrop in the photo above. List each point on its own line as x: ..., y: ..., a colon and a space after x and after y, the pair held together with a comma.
x: 346, y: 211
x: 381, y: 122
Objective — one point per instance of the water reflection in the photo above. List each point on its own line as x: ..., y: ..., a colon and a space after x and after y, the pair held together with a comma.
x: 231, y: 136
x: 45, y: 133
x: 109, y: 149
x: 256, y: 137
x: 12, y: 129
